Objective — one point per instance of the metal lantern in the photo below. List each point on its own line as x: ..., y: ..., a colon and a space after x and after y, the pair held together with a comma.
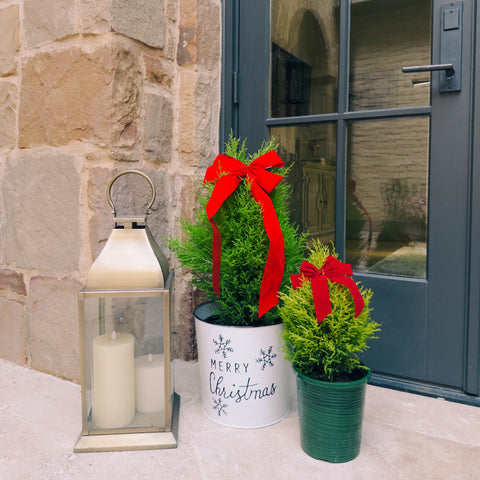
x: 128, y: 398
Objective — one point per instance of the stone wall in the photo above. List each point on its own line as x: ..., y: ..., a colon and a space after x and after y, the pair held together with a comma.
x: 89, y: 88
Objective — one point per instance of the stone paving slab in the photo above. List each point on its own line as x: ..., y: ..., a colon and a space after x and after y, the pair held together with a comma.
x: 405, y: 437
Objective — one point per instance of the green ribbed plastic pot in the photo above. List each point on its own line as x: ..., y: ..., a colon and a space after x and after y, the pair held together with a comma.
x: 331, y: 415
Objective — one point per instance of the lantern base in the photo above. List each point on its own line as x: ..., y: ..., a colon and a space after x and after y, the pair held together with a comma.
x: 132, y: 441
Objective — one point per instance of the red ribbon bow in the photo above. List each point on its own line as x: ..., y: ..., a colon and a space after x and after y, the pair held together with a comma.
x: 335, y: 271
x: 227, y: 172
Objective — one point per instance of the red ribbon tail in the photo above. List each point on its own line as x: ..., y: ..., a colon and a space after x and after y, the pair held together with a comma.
x: 357, y: 296
x: 272, y: 279
x: 275, y: 264
x: 321, y: 297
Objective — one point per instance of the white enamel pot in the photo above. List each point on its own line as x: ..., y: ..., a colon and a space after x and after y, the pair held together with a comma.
x: 245, y: 380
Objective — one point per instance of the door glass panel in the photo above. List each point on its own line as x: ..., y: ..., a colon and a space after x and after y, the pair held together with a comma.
x: 304, y: 57
x: 387, y: 185
x: 387, y: 35
x: 309, y: 150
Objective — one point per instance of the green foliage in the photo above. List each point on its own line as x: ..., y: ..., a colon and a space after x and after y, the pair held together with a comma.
x: 328, y: 350
x: 245, y: 245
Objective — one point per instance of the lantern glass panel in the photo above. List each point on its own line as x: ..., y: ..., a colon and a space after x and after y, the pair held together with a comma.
x: 127, y: 382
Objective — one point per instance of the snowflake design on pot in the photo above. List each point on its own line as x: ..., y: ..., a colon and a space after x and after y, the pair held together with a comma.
x: 223, y: 345
x: 219, y: 407
x: 266, y: 357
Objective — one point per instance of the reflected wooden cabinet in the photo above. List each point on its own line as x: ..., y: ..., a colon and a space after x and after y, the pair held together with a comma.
x: 318, y: 202
x: 313, y: 199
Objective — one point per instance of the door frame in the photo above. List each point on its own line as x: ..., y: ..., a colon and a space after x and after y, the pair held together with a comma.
x: 233, y: 119
x: 472, y: 376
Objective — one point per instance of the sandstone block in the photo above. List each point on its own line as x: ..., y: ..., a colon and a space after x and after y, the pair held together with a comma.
x: 171, y: 10
x: 96, y: 16
x: 158, y: 128
x: 186, y: 115
x: 186, y: 45
x: 41, y: 196
x: 189, y: 195
x: 8, y: 108
x: 9, y: 40
x: 54, y: 341
x: 169, y: 51
x: 158, y: 71
x: 78, y: 95
x: 49, y: 20
x: 12, y: 281
x: 13, y: 332
x: 186, y: 51
x: 207, y: 114
x: 142, y: 20
x: 208, y: 35
x: 188, y: 12
x: 199, y: 111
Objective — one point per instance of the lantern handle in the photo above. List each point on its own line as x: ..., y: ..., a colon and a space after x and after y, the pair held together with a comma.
x: 137, y: 172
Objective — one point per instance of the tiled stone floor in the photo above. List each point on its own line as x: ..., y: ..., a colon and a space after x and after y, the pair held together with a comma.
x: 405, y: 437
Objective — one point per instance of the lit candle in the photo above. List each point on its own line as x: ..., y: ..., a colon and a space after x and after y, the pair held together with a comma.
x: 113, y: 402
x: 150, y: 383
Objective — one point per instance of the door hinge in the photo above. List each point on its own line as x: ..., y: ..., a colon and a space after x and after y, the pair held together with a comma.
x: 235, y: 88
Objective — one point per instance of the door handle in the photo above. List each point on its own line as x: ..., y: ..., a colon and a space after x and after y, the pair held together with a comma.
x: 451, y: 33
x: 446, y: 67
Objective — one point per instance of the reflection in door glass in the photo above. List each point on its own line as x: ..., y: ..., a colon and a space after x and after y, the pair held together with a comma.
x: 310, y: 151
x: 304, y: 57
x: 387, y: 185
x: 387, y: 35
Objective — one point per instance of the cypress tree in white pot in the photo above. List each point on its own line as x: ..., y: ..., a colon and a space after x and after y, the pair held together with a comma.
x: 241, y: 248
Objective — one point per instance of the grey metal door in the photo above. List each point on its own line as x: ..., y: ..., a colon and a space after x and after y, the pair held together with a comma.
x: 383, y: 160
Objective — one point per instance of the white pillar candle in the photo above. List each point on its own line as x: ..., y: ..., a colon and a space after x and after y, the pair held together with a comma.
x: 113, y: 401
x: 150, y: 383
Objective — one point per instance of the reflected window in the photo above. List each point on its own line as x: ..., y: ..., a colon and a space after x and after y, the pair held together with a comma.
x: 387, y: 35
x: 309, y: 150
x: 304, y: 58
x: 387, y: 185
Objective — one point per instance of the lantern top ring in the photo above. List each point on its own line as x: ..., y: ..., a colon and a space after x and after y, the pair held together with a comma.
x: 136, y: 172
